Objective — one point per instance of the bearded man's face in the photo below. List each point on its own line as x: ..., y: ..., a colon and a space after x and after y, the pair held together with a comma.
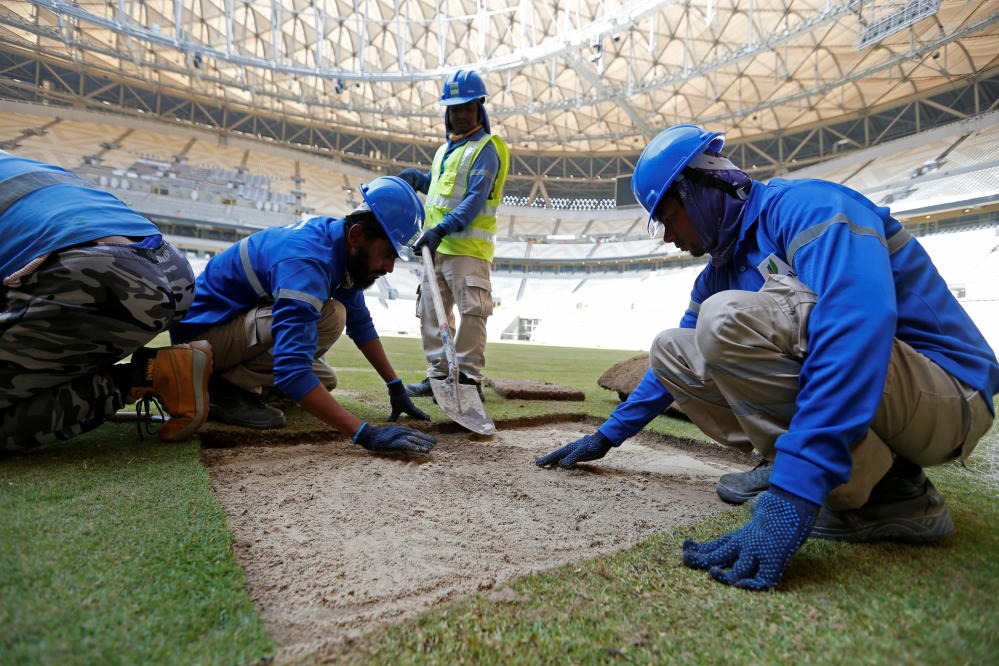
x: 370, y: 261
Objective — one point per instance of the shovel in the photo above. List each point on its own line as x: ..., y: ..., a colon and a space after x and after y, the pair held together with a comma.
x: 459, y: 402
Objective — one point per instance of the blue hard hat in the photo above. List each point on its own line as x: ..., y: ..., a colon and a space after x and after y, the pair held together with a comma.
x: 665, y: 157
x: 461, y: 87
x: 397, y: 208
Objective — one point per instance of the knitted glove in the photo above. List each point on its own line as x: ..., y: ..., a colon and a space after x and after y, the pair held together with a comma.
x: 586, y: 448
x: 393, y: 438
x: 412, y: 176
x: 754, y: 557
x: 402, y: 404
x: 431, y: 238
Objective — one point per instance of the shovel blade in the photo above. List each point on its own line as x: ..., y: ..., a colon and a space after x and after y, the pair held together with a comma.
x: 460, y: 402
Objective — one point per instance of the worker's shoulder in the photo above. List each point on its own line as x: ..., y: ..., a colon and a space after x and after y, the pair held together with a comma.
x: 804, y: 186
x: 806, y: 193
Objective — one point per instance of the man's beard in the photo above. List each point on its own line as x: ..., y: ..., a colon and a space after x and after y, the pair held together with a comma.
x: 358, y: 269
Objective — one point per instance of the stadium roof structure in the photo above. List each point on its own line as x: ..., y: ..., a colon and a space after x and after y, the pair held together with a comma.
x: 577, y: 86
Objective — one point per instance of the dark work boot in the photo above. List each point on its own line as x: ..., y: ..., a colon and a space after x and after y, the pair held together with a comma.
x: 237, y: 406
x: 465, y: 379
x: 740, y: 487
x: 420, y: 389
x: 903, y: 506
x: 276, y: 398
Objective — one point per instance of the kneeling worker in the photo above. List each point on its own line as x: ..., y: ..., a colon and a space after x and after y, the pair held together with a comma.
x: 821, y: 335
x: 87, y: 282
x: 275, y: 302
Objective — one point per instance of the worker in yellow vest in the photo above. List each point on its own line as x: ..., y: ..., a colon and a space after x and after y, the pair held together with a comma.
x: 463, y: 189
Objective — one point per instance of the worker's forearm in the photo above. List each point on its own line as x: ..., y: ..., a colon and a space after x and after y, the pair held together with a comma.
x: 374, y: 352
x: 322, y: 405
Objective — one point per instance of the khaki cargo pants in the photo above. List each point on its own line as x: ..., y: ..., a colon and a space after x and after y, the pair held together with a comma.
x: 242, y: 348
x: 736, y: 377
x: 465, y: 282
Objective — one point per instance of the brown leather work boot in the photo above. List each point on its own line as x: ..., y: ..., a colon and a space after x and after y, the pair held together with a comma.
x: 177, y: 377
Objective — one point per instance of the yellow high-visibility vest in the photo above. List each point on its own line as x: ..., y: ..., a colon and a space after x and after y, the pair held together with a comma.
x: 448, y: 188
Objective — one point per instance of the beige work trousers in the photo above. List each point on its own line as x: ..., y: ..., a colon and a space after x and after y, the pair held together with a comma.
x: 736, y: 376
x: 465, y: 282
x: 242, y: 348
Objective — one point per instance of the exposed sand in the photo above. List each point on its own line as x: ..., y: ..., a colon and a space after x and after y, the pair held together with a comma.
x: 336, y: 541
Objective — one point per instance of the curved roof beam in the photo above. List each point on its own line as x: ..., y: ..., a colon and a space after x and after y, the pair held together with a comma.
x: 591, y: 76
x: 718, y: 65
x: 684, y: 50
x: 554, y: 46
x: 605, y: 92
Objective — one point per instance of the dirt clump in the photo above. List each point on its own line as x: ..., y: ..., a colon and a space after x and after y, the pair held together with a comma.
x: 624, y: 376
x: 528, y: 389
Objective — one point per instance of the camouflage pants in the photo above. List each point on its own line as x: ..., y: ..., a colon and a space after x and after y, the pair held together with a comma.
x: 62, y: 331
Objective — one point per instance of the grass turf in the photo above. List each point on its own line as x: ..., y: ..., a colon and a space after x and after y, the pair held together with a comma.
x: 115, y: 551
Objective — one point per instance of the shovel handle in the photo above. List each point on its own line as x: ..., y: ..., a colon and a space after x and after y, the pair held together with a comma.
x: 435, y: 292
x: 445, y: 329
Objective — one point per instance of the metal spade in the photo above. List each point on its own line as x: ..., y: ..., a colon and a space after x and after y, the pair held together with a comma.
x: 460, y: 402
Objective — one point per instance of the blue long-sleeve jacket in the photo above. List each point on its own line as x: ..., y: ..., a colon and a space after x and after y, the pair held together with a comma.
x: 295, y: 269
x: 480, y: 184
x: 874, y: 283
x: 65, y: 212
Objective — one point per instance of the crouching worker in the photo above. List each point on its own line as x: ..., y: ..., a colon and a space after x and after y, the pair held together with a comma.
x: 821, y: 335
x: 274, y: 303
x: 86, y: 282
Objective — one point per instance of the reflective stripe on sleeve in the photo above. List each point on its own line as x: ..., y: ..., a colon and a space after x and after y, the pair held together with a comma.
x: 295, y: 295
x: 251, y: 276
x: 813, y: 232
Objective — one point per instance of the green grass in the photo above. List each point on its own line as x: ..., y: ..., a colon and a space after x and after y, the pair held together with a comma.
x: 115, y: 551
x: 578, y: 368
x: 838, y: 604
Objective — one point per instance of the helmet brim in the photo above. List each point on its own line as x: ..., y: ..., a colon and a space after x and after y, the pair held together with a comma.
x: 454, y: 101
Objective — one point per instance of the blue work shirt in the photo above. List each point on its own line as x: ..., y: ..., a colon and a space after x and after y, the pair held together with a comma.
x: 68, y: 212
x: 874, y: 283
x: 295, y: 269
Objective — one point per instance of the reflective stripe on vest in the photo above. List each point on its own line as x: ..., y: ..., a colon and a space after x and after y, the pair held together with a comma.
x: 472, y: 232
x: 449, y: 187
x: 469, y: 152
x: 893, y: 243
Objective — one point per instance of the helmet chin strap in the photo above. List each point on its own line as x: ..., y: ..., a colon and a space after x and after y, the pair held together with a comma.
x: 708, y: 162
x: 458, y: 137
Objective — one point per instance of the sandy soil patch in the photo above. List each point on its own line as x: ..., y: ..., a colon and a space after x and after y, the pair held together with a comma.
x: 336, y: 541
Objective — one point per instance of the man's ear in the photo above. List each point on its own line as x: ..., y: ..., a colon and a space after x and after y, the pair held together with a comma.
x: 355, y: 236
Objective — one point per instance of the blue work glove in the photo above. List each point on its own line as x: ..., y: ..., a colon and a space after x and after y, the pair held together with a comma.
x: 412, y: 176
x: 754, y: 556
x: 586, y: 448
x: 393, y: 438
x: 402, y: 404
x: 431, y: 238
